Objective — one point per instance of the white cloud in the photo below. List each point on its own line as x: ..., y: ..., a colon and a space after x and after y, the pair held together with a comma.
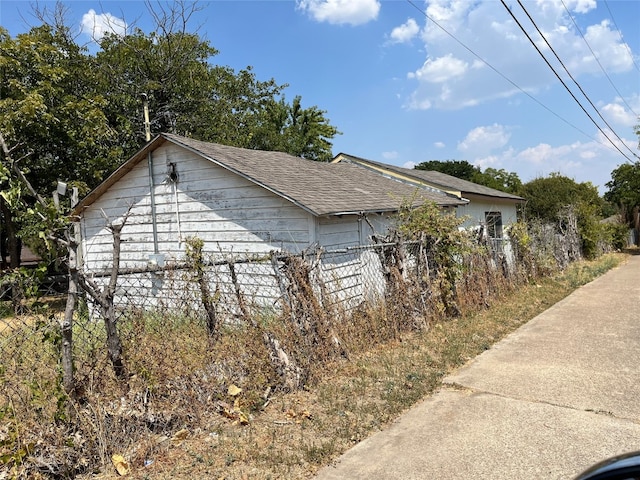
x: 405, y: 32
x: 482, y: 140
x: 409, y: 165
x: 617, y: 113
x: 96, y: 25
x: 390, y: 155
x: 556, y: 7
x: 353, y: 12
x: 439, y: 145
x: 543, y: 154
x: 440, y: 70
x: 605, y: 41
x: 581, y: 6
x: 490, y: 161
x: 452, y: 77
x: 591, y: 161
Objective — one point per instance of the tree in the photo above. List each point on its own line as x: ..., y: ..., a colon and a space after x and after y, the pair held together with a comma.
x: 54, y: 120
x: 547, y: 196
x: 303, y: 132
x: 191, y: 96
x: 556, y: 198
x: 624, y: 192
x: 170, y: 67
x: 499, y: 179
x: 456, y: 168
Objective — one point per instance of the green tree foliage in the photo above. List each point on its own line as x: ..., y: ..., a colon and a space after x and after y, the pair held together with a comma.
x: 547, y: 196
x: 499, y: 179
x: 171, y: 69
x: 187, y: 95
x: 456, y: 168
x: 491, y: 177
x: 191, y: 96
x: 303, y: 132
x: 554, y: 198
x: 624, y: 188
x: 72, y: 116
x: 49, y: 110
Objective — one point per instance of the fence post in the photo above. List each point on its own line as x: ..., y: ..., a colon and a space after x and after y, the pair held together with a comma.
x: 67, y: 323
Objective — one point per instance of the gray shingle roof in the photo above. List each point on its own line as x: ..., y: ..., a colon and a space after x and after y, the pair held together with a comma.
x: 320, y: 188
x: 441, y: 179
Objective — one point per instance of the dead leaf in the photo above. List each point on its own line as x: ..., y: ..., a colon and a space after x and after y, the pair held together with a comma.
x: 243, y: 418
x: 179, y: 436
x: 306, y: 414
x: 122, y: 466
x: 234, y: 391
x: 291, y: 413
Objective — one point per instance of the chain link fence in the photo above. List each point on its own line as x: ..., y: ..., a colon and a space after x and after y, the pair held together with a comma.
x: 273, y: 316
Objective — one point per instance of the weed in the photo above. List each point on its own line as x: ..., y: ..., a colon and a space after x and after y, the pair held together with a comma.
x: 319, y: 454
x: 180, y: 380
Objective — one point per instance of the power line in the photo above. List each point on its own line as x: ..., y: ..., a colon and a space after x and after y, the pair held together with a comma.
x: 597, y: 60
x: 620, y: 34
x: 574, y: 81
x: 463, y: 45
x: 559, y: 77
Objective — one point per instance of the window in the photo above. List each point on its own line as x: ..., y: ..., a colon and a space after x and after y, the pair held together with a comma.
x: 494, y: 224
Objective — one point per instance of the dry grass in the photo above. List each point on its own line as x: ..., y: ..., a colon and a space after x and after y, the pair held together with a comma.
x: 295, y: 434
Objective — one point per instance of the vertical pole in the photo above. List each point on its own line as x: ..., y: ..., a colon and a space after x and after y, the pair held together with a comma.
x: 147, y: 124
x: 152, y: 196
x: 72, y: 298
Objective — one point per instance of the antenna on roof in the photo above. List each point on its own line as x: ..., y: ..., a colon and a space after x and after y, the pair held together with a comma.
x: 147, y: 124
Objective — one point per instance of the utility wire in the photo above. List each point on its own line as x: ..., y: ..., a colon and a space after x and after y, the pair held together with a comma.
x: 560, y: 78
x: 410, y: 2
x: 620, y: 34
x: 597, y: 60
x: 576, y: 83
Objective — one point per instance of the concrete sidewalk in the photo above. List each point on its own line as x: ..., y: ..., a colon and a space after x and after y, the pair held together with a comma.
x: 556, y: 396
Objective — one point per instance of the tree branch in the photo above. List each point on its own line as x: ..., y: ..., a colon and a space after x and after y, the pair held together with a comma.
x: 18, y: 172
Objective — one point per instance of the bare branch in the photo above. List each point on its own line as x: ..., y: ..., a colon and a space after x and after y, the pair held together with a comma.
x: 173, y: 17
x: 116, y: 230
x: 19, y: 173
x: 92, y: 288
x: 56, y: 17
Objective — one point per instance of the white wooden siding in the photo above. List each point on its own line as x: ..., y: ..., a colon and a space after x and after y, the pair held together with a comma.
x: 339, y: 232
x: 479, y: 205
x: 228, y: 212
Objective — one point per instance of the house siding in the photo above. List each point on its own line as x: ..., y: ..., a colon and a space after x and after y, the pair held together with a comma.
x: 339, y: 232
x: 477, y: 207
x: 228, y: 212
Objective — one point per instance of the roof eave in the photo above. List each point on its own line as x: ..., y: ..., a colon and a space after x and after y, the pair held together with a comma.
x: 247, y: 177
x: 120, y: 172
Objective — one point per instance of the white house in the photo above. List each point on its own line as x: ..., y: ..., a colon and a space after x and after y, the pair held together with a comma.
x: 484, y: 207
x: 237, y: 201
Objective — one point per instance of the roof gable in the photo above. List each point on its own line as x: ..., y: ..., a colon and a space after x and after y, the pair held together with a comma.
x: 319, y: 188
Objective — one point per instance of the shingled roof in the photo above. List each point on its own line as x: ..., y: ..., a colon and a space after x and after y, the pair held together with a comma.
x: 435, y: 179
x: 320, y: 188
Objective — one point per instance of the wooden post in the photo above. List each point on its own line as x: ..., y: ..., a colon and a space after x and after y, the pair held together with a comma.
x: 72, y: 300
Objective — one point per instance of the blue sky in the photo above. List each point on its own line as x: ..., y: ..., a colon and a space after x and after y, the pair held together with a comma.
x: 404, y: 89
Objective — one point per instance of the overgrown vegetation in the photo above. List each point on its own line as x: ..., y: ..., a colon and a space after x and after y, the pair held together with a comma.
x: 294, y: 434
x: 350, y: 369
